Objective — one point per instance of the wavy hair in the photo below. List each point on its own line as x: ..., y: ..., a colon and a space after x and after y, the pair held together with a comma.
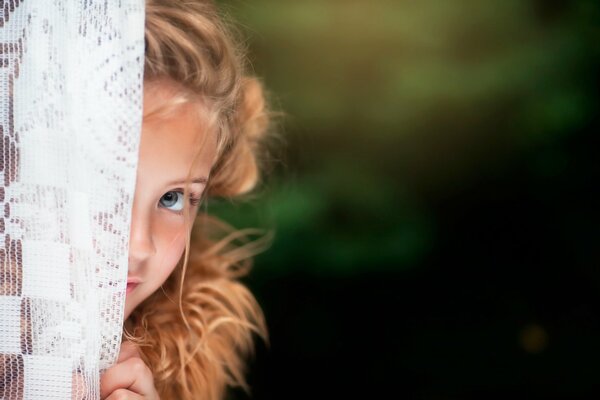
x: 196, y: 334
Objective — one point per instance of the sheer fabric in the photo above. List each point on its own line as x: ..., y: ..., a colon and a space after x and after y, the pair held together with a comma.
x: 70, y: 119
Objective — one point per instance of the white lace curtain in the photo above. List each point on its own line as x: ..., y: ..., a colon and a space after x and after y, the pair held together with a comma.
x: 70, y: 117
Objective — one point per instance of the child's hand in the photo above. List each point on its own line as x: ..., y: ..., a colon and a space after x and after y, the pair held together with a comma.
x: 130, y: 378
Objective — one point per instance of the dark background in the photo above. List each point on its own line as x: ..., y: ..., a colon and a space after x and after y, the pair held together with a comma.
x: 435, y: 199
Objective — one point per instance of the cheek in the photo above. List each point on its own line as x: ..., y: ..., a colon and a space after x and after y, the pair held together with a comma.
x: 170, y: 247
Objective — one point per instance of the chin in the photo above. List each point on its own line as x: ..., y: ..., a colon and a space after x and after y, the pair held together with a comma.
x: 129, y: 307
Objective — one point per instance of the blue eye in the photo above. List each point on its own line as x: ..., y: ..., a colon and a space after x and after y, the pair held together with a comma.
x: 172, y: 200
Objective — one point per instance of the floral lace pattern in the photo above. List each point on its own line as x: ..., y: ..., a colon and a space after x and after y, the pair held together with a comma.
x: 70, y: 118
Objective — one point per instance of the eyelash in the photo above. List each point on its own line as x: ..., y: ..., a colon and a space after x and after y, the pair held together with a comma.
x: 194, y: 200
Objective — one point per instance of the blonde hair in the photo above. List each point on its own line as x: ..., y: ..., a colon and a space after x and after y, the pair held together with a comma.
x: 197, y: 332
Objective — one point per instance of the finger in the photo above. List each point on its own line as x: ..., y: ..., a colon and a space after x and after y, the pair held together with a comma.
x: 128, y: 350
x: 78, y: 387
x: 124, y: 394
x: 131, y: 374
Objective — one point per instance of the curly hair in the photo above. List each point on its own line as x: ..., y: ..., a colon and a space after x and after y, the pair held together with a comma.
x: 196, y: 333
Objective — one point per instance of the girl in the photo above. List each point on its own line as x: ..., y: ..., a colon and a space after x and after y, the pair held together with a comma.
x: 189, y: 323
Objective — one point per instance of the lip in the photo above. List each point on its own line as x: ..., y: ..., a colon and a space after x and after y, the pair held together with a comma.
x: 131, y: 286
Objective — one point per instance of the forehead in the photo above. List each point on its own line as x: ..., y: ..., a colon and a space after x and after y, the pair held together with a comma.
x: 175, y: 134
x: 163, y: 96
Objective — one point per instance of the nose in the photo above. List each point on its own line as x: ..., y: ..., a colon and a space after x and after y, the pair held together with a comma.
x: 141, y: 243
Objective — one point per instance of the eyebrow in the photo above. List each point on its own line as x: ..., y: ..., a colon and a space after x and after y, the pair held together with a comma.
x: 201, y: 180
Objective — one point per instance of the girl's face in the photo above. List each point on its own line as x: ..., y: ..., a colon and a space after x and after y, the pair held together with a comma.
x: 170, y: 145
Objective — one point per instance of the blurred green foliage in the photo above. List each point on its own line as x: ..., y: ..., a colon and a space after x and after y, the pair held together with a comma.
x: 390, y: 104
x: 435, y: 208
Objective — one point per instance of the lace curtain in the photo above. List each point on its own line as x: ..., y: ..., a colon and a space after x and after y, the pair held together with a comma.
x: 70, y: 117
